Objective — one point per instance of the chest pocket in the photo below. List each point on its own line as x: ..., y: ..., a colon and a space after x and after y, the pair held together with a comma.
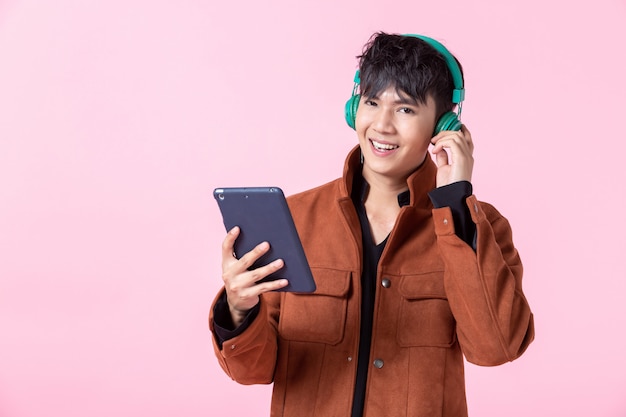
x: 425, y: 317
x: 318, y: 317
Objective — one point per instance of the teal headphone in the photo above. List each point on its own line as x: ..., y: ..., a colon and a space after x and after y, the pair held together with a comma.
x: 449, y: 120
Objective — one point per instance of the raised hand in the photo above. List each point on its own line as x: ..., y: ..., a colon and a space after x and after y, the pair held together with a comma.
x: 242, y: 289
x: 453, y: 155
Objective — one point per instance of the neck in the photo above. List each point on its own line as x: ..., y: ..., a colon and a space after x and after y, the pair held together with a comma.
x: 391, y: 183
x: 381, y: 204
x: 383, y: 190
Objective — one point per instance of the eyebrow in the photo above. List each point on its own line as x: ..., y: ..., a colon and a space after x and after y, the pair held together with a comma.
x: 401, y: 101
x: 407, y: 100
x: 404, y: 99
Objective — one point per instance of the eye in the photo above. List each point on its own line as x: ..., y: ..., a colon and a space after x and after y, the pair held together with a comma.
x: 406, y: 110
x: 370, y: 102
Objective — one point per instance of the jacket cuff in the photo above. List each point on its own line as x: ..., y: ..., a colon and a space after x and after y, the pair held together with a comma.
x: 222, y: 324
x: 476, y: 211
x: 457, y: 217
x: 451, y: 195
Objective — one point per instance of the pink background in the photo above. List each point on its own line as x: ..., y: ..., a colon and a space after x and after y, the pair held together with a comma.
x: 118, y: 118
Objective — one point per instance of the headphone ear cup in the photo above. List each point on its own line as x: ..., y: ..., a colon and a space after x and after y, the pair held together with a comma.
x: 351, y: 107
x: 448, y: 121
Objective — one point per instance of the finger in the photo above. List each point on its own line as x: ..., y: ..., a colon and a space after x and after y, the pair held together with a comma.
x: 468, y: 137
x: 455, y: 147
x: 450, y: 140
x: 246, y: 284
x: 257, y: 274
x: 274, y: 285
x: 441, y: 157
x: 437, y: 137
x: 228, y: 244
x: 248, y: 259
x: 456, y: 142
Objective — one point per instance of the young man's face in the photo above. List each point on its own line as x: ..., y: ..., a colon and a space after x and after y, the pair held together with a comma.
x: 394, y: 133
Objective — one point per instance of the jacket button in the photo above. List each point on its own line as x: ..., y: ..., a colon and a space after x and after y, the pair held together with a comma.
x: 386, y: 282
x: 378, y: 363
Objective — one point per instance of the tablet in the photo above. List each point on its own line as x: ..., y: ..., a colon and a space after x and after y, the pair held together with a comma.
x: 262, y: 215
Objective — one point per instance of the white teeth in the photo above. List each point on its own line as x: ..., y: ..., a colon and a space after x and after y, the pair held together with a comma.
x: 383, y: 146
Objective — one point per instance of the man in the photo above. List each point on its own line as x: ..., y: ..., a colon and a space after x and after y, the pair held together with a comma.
x: 412, y: 272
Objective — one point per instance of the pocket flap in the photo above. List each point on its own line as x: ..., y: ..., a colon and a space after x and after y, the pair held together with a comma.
x: 429, y: 285
x: 331, y: 282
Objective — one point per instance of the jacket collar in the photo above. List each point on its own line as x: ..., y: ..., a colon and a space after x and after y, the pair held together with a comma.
x: 420, y: 182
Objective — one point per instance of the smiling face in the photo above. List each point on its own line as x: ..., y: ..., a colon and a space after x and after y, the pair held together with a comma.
x: 394, y: 132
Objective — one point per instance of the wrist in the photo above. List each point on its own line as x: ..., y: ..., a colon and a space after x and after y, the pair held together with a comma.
x: 237, y: 315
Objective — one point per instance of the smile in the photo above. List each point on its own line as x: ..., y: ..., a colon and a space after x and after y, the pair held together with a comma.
x: 383, y: 146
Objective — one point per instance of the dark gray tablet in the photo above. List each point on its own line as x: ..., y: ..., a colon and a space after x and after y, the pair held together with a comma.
x: 262, y: 215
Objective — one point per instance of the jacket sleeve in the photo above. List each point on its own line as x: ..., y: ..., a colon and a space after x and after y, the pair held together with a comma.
x: 250, y: 358
x: 484, y: 288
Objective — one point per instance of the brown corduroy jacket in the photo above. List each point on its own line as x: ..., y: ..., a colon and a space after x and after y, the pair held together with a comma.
x: 440, y: 300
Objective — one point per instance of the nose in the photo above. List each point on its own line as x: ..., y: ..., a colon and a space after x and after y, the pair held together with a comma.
x: 383, y: 121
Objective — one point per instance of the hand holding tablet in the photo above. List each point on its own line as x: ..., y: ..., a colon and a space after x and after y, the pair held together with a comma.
x: 262, y: 215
